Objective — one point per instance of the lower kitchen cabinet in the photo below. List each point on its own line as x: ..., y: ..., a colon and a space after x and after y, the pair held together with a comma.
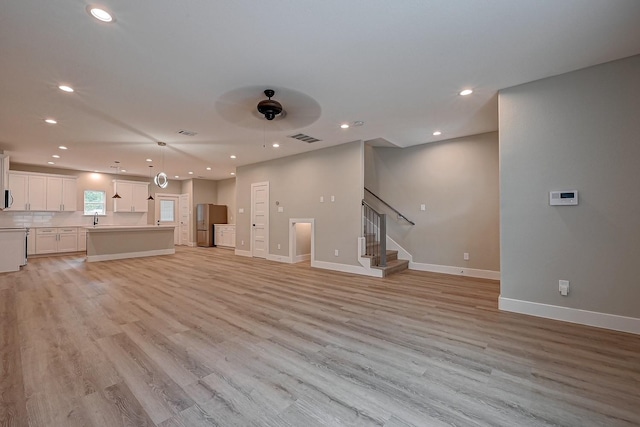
x: 225, y: 235
x: 55, y: 240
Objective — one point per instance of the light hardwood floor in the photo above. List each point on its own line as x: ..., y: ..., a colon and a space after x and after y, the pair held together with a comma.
x: 207, y: 338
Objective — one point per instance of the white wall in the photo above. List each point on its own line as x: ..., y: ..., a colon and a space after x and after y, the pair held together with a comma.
x: 579, y: 131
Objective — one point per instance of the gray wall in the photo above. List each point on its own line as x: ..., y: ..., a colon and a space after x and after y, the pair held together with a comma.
x: 227, y: 196
x: 457, y: 180
x: 297, y: 182
x: 579, y: 131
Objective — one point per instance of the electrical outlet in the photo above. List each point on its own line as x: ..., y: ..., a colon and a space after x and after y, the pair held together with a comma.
x: 336, y: 253
x: 278, y: 245
x: 241, y: 242
x: 241, y: 210
x: 333, y: 198
x: 321, y: 199
x: 280, y: 208
x: 466, y: 256
x: 563, y: 287
x: 423, y: 207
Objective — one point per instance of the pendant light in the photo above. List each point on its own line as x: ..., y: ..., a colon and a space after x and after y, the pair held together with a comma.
x: 117, y: 168
x: 161, y: 179
x: 150, y: 196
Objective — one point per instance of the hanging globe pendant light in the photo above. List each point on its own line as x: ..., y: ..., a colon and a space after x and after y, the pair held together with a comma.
x: 161, y: 179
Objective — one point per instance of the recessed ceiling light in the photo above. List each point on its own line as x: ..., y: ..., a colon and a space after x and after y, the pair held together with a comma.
x: 55, y: 156
x: 149, y: 160
x: 123, y: 170
x: 436, y: 133
x: 51, y: 163
x: 62, y: 147
x: 177, y: 176
x: 275, y: 145
x: 190, y: 173
x: 233, y: 156
x: 50, y: 121
x: 208, y: 169
x: 233, y: 173
x: 344, y: 126
x: 466, y: 92
x: 100, y: 14
x: 65, y: 88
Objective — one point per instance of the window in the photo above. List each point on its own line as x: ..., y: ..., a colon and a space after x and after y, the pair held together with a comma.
x: 167, y: 209
x: 94, y: 202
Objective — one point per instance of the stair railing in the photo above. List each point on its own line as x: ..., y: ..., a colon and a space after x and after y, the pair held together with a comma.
x: 374, y: 226
x: 401, y: 216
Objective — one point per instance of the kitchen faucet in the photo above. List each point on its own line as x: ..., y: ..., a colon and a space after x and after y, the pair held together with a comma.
x: 95, y: 219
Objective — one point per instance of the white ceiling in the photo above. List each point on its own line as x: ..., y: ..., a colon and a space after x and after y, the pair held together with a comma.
x: 201, y: 65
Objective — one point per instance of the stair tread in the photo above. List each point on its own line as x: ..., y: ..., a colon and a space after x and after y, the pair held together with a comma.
x: 392, y: 264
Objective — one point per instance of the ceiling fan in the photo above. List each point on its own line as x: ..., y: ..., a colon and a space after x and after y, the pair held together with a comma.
x: 245, y: 108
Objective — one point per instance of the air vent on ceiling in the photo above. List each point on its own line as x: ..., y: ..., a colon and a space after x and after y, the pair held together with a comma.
x: 305, y: 138
x: 187, y: 132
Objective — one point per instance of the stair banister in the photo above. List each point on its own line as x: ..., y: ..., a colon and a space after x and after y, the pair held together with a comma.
x: 389, y: 206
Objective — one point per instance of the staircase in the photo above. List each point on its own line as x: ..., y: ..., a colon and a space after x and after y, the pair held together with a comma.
x: 375, y: 244
x: 394, y: 265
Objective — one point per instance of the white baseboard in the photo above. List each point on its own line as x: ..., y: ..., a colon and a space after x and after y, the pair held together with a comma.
x: 279, y: 258
x: 572, y: 315
x: 110, y: 257
x: 345, y: 268
x: 302, y: 258
x: 243, y: 253
x: 458, y: 271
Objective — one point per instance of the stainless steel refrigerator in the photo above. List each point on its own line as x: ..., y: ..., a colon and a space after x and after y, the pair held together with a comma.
x: 206, y: 216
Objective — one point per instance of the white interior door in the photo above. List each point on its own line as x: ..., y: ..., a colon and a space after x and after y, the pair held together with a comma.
x: 167, y: 213
x: 260, y: 219
x: 185, y: 219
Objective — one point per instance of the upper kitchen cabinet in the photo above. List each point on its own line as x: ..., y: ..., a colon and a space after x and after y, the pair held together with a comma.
x: 133, y: 196
x: 29, y: 192
x: 40, y: 192
x: 61, y: 194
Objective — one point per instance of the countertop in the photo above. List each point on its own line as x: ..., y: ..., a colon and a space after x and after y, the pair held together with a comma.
x: 107, y: 228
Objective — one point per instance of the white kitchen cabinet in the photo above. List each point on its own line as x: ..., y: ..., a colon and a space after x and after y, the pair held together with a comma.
x: 39, y: 192
x: 225, y: 235
x: 55, y: 240
x: 133, y: 196
x: 61, y: 194
x: 46, y: 240
x: 29, y: 192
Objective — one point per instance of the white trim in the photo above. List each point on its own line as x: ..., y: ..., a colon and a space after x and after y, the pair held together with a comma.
x: 240, y: 252
x: 292, y: 238
x: 572, y: 315
x: 109, y: 257
x: 302, y: 258
x: 267, y: 217
x: 402, y: 252
x: 279, y: 258
x: 458, y: 271
x: 346, y: 268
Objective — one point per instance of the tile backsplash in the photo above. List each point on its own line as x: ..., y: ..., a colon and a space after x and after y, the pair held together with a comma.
x: 68, y: 219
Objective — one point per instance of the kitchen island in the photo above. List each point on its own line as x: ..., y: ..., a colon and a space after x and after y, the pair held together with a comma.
x: 13, y: 252
x: 109, y: 242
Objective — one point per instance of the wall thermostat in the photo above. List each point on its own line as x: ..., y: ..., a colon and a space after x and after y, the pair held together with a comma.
x: 563, y: 198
